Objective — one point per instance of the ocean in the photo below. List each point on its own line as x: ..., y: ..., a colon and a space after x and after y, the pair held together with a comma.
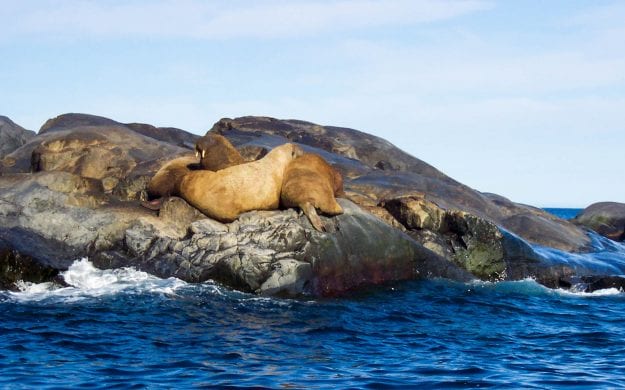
x: 563, y: 213
x: 126, y: 329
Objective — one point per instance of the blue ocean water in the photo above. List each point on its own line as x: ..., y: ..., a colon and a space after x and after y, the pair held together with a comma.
x: 563, y: 212
x: 127, y: 329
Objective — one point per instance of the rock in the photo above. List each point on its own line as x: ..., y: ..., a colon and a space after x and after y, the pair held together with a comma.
x: 349, y: 143
x: 72, y: 121
x: 12, y: 136
x: 170, y: 135
x: 377, y: 170
x: 57, y: 217
x: 121, y: 159
x: 278, y: 252
x: 594, y: 283
x: 606, y: 218
x: 273, y: 252
x: 288, y: 277
x: 403, y: 219
x: 15, y: 267
x: 177, y: 212
x: 477, y: 245
x: 252, y: 153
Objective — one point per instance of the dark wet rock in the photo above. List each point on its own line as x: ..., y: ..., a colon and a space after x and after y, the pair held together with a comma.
x: 595, y: 283
x: 606, y: 218
x: 12, y: 136
x: 15, y: 268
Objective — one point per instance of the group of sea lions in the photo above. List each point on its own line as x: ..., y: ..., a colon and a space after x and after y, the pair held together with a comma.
x: 223, y: 185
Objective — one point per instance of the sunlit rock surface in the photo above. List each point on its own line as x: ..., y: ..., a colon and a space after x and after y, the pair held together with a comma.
x: 74, y: 191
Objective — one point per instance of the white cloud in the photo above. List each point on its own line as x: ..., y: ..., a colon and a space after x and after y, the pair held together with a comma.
x: 209, y: 20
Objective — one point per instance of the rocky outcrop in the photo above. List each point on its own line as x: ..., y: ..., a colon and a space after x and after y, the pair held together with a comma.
x: 278, y: 252
x: 57, y: 217
x: 377, y: 171
x: 606, y: 218
x: 73, y: 191
x: 95, y: 148
x: 12, y: 136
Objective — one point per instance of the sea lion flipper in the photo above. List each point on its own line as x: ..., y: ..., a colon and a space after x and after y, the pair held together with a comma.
x: 313, y: 217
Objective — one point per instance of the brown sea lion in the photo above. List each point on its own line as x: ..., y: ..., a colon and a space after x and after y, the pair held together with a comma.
x: 225, y: 194
x: 310, y: 183
x: 216, y: 152
x: 166, y: 181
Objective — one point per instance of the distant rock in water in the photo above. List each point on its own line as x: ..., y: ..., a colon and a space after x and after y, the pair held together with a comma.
x: 606, y: 218
x: 74, y: 190
x: 12, y: 136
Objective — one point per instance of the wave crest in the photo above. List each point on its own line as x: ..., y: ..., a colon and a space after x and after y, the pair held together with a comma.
x: 86, y: 281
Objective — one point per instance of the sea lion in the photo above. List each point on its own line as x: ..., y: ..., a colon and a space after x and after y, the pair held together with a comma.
x: 310, y: 183
x: 225, y: 194
x: 216, y: 152
x: 166, y: 181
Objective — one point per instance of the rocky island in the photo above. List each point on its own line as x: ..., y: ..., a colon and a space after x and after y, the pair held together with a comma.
x: 75, y: 188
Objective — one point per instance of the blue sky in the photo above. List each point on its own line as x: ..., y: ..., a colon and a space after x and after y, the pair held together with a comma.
x: 521, y: 98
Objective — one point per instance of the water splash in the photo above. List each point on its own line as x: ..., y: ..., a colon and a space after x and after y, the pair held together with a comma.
x: 87, y: 281
x: 606, y: 258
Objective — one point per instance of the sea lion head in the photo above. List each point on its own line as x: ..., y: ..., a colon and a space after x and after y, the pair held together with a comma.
x: 216, y: 152
x: 210, y: 140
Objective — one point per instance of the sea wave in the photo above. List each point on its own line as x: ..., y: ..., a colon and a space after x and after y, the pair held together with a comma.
x: 530, y: 286
x: 85, y: 280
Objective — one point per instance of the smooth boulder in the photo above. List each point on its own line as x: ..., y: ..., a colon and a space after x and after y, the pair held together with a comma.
x: 606, y: 218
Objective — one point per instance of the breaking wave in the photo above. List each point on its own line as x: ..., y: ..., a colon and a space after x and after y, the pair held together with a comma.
x: 85, y: 281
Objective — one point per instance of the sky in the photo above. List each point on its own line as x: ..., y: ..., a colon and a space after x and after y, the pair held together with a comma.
x: 525, y: 99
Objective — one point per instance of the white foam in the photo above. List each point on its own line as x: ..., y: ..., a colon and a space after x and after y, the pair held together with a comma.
x: 86, y: 281
x: 596, y: 293
x: 531, y: 287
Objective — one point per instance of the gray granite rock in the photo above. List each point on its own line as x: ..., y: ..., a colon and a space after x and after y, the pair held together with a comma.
x: 73, y: 191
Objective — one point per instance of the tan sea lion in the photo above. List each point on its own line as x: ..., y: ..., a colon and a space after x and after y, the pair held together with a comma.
x: 310, y: 183
x: 216, y: 152
x: 166, y: 181
x: 225, y: 194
